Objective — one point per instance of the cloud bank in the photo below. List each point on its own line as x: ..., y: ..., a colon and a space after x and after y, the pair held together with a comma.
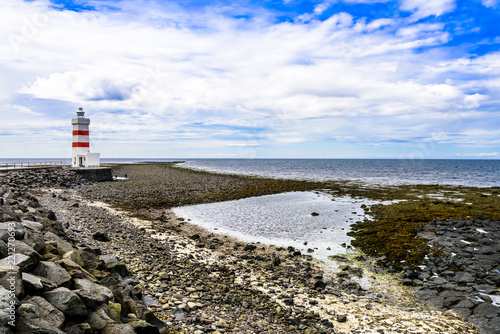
x: 164, y: 80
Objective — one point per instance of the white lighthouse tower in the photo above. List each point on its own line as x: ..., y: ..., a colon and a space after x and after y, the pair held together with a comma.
x: 81, y: 156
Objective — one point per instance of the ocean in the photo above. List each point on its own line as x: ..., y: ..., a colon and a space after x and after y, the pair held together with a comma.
x: 472, y: 173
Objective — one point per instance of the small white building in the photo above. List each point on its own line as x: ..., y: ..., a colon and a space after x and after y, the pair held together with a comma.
x: 81, y: 156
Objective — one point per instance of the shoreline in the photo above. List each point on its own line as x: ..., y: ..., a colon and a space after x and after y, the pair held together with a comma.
x: 203, y: 282
x: 328, y: 295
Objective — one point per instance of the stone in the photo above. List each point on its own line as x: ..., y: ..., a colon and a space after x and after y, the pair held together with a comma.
x: 99, y: 320
x: 92, y: 294
x: 142, y: 327
x: 179, y: 314
x: 47, y: 311
x: 112, y: 264
x: 10, y: 276
x: 66, y: 301
x: 28, y: 321
x: 464, y: 277
x: 486, y: 310
x: 74, y: 255
x: 461, y: 312
x: 118, y: 329
x: 16, y: 227
x: 63, y: 246
x: 8, y: 303
x: 53, y: 272
x: 114, y: 311
x: 101, y: 236
x: 22, y: 248
x: 341, y: 318
x: 34, y: 239
x: 34, y: 226
x: 36, y: 284
x: 82, y: 328
x: 4, y: 251
x: 24, y: 262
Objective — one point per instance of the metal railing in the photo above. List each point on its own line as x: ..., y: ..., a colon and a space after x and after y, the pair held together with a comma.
x: 12, y: 165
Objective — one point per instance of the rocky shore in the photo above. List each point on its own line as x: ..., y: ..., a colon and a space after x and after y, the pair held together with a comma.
x: 51, y: 283
x: 182, y: 279
x: 464, y: 276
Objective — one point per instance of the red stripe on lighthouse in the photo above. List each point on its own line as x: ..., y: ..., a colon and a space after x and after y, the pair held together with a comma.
x: 81, y: 145
x: 80, y: 133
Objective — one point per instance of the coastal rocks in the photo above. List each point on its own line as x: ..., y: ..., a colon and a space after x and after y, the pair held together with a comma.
x: 53, y: 272
x: 66, y: 301
x: 41, y: 263
x: 31, y: 322
x: 91, y: 293
x: 465, y: 273
x: 101, y: 236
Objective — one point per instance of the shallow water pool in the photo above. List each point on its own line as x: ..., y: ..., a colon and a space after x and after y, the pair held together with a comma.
x: 283, y: 220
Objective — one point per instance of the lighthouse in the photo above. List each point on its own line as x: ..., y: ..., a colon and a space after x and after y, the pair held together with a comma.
x: 81, y: 156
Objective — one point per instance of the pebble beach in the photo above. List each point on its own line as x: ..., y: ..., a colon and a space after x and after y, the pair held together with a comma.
x: 195, y: 281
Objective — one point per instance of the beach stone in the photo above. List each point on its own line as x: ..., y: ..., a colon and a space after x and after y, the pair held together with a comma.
x: 101, y: 236
x: 74, y: 255
x: 28, y: 321
x: 118, y: 329
x: 486, y: 310
x: 141, y: 326
x: 66, y: 301
x: 47, y: 311
x: 464, y: 277
x: 36, y: 284
x: 22, y: 248
x: 7, y: 305
x: 462, y: 312
x: 11, y: 276
x: 114, y: 311
x: 99, y: 319
x: 4, y: 251
x: 92, y: 294
x: 34, y: 239
x: 32, y: 225
x: 179, y: 314
x: 53, y: 272
x: 24, y: 262
x: 63, y: 246
x: 82, y: 328
x: 341, y: 318
x: 17, y: 228
x: 112, y: 264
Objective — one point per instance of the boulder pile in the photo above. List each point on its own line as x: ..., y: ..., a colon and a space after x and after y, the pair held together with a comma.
x: 464, y: 275
x: 50, y: 283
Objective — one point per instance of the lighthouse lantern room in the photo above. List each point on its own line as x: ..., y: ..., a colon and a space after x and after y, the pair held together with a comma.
x: 81, y: 156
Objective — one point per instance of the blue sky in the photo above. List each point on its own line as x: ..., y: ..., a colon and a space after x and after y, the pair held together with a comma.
x: 252, y: 79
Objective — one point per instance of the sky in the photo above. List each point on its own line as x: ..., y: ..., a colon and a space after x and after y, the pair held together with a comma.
x: 409, y: 79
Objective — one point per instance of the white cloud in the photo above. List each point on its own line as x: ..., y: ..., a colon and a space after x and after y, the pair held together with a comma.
x: 425, y: 8
x: 490, y: 3
x: 494, y: 154
x: 169, y: 76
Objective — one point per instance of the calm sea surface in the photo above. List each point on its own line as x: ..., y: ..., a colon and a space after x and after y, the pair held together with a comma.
x: 477, y: 173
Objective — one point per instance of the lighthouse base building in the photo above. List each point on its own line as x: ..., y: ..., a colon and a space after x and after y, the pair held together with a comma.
x: 81, y: 156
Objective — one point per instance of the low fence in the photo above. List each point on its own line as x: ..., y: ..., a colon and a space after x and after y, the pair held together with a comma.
x: 12, y: 165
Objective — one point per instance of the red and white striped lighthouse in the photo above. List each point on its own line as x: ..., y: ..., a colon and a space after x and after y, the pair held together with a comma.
x: 81, y: 156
